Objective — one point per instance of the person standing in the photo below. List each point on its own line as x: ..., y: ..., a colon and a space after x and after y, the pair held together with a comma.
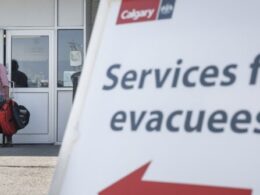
x: 4, y: 87
x: 19, y: 78
x: 4, y: 94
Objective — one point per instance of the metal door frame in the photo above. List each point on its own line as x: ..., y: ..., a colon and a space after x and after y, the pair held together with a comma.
x: 51, y: 88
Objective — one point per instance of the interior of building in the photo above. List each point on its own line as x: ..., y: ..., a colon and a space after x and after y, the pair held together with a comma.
x: 48, y: 40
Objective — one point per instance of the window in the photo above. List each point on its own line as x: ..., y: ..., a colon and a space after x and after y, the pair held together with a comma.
x: 70, y: 55
x: 30, y: 61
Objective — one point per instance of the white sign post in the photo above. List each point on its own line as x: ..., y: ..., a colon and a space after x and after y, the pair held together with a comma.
x: 168, y: 102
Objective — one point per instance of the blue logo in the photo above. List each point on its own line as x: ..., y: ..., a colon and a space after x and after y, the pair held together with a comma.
x: 166, y: 9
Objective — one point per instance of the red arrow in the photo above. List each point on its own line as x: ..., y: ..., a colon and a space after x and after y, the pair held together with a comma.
x: 132, y: 184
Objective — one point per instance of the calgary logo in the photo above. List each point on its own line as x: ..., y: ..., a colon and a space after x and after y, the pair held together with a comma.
x: 132, y: 11
x: 166, y: 9
x: 137, y: 14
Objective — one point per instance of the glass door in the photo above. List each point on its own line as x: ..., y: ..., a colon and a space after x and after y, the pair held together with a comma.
x: 30, y: 64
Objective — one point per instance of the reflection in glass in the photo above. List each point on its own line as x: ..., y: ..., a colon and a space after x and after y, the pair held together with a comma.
x: 32, y: 56
x: 70, y: 55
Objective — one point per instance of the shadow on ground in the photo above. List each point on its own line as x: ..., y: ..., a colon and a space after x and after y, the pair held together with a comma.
x: 30, y: 150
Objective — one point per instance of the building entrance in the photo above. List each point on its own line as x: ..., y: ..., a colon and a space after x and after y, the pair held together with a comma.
x: 29, y: 59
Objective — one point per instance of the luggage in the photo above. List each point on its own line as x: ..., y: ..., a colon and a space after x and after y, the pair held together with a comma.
x: 21, y: 115
x: 13, y: 117
x: 7, y: 122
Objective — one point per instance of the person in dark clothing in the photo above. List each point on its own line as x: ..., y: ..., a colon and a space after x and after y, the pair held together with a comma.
x: 19, y: 78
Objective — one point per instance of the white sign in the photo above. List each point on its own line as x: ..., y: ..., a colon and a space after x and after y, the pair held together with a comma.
x: 67, y: 81
x: 168, y: 102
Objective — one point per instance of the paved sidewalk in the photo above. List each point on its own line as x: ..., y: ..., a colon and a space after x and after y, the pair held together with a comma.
x: 27, y: 169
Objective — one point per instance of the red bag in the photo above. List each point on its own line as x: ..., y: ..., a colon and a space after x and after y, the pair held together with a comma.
x: 7, y: 121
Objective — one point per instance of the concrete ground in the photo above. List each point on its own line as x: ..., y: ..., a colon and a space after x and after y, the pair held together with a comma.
x: 27, y: 169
